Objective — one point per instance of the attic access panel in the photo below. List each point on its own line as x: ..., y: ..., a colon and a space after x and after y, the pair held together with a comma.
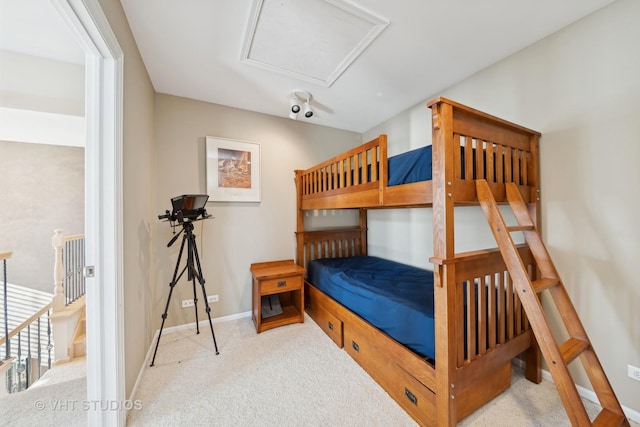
x: 313, y: 40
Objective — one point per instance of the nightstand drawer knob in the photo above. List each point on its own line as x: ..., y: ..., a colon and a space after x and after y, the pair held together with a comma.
x: 331, y: 326
x: 282, y: 283
x: 355, y: 346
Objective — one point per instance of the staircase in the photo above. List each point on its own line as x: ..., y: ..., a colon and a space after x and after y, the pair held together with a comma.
x: 69, y: 331
x: 578, y: 346
x: 77, y: 347
x: 33, y: 321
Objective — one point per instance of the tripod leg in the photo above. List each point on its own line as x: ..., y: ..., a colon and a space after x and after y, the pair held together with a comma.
x: 192, y: 276
x: 166, y: 307
x: 164, y: 317
x: 204, y: 295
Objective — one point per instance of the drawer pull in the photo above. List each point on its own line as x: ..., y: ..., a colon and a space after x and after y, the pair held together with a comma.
x: 282, y: 283
x: 355, y: 346
x: 412, y: 397
x: 331, y: 326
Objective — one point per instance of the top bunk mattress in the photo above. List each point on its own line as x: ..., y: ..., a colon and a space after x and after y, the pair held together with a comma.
x: 393, y: 297
x: 411, y: 166
x: 416, y: 165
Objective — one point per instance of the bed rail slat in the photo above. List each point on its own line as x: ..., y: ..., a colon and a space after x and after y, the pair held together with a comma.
x: 489, y: 312
x: 508, y: 164
x: 502, y: 330
x: 331, y: 244
x: 492, y: 309
x: 510, y: 306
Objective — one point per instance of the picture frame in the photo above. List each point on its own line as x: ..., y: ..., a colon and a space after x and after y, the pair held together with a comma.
x: 233, y: 170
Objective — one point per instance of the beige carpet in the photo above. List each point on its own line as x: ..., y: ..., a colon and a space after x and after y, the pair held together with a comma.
x: 52, y: 401
x: 296, y: 376
x: 289, y: 376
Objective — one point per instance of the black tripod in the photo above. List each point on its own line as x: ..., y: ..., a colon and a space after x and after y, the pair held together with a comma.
x: 192, y: 254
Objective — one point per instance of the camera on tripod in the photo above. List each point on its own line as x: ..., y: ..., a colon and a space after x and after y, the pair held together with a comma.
x: 187, y: 207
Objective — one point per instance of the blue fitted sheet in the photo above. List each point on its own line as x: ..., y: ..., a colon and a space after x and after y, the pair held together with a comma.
x: 393, y: 297
x: 412, y: 166
x: 416, y: 165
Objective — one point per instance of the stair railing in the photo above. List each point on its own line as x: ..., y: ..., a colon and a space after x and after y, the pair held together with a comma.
x: 69, y: 290
x: 4, y: 256
x: 30, y: 333
x: 20, y: 366
x: 68, y: 268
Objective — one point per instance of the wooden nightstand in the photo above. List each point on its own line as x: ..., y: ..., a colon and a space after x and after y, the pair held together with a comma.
x: 284, y: 278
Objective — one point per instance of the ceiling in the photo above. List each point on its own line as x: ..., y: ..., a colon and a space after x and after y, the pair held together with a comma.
x: 198, y: 49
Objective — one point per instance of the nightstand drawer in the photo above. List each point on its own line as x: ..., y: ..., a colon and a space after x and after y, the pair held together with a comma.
x: 284, y: 279
x: 281, y: 284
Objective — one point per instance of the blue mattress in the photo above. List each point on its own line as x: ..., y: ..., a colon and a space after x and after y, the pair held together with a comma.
x: 412, y: 166
x: 416, y: 165
x: 395, y: 298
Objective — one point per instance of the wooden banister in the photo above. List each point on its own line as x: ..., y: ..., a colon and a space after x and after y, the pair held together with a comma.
x: 26, y: 323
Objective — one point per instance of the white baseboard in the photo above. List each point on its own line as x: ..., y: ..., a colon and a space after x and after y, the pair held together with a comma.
x: 631, y: 414
x: 205, y: 322
x: 178, y: 328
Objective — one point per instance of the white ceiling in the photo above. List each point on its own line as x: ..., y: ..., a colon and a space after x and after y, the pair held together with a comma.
x: 194, y: 49
x: 34, y: 27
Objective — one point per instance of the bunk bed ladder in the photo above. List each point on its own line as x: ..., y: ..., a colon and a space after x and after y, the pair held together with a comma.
x: 557, y: 356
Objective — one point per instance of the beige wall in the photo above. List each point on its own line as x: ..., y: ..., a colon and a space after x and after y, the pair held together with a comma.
x: 240, y: 233
x: 580, y: 88
x: 42, y: 189
x: 138, y: 195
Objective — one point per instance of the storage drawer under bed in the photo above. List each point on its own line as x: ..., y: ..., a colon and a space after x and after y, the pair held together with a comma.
x: 329, y: 323
x: 410, y: 393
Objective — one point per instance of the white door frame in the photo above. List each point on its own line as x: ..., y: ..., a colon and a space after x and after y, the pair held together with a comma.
x: 103, y: 209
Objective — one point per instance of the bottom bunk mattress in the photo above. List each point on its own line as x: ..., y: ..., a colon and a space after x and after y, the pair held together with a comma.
x: 393, y: 297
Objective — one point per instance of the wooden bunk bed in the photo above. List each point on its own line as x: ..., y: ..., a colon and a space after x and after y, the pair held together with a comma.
x: 474, y: 343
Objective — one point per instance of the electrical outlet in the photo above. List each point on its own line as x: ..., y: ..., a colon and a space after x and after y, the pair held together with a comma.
x: 212, y: 298
x: 187, y: 303
x: 633, y: 372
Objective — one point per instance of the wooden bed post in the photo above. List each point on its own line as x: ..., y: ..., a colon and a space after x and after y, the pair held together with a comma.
x: 299, y: 221
x: 444, y: 274
x: 533, y: 356
x: 383, y: 178
x: 363, y: 231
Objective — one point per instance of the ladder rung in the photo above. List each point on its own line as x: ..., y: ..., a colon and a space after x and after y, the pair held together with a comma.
x: 542, y: 284
x: 520, y: 228
x: 572, y: 348
x: 608, y: 418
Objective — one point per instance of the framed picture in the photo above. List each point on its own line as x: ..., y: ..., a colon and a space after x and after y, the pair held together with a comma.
x: 233, y: 170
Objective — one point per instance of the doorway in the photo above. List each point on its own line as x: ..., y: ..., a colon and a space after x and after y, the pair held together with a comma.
x: 103, y: 207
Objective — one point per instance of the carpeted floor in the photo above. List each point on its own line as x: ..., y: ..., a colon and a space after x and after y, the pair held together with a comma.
x: 296, y: 376
x: 289, y: 376
x: 54, y: 400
